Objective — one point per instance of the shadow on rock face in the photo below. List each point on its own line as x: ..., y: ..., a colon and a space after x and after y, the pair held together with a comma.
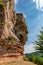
x: 2, y: 18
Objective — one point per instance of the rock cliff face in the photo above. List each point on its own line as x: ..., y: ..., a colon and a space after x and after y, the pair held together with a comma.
x: 20, y: 28
x: 13, y: 29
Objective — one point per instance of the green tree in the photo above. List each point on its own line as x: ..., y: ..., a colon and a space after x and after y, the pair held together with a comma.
x: 39, y: 42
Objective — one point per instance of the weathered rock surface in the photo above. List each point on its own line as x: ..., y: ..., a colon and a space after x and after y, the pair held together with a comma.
x: 13, y: 30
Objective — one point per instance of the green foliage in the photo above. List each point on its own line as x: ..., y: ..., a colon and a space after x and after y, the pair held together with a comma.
x: 1, y: 1
x: 36, y: 59
x: 8, y: 43
x: 39, y: 42
x: 9, y: 39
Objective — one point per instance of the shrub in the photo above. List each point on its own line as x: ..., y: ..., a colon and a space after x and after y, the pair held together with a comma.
x: 36, y: 59
x: 40, y: 61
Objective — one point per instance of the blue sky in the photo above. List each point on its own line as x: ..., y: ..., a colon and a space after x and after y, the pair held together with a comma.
x: 33, y: 13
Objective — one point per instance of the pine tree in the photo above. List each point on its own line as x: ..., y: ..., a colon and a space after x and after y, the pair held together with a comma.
x: 39, y: 42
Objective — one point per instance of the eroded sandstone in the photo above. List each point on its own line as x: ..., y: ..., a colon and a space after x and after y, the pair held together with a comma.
x: 13, y: 30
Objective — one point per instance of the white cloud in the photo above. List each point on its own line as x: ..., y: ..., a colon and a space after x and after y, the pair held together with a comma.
x: 39, y: 4
x: 29, y: 48
x: 33, y: 0
x: 16, y: 1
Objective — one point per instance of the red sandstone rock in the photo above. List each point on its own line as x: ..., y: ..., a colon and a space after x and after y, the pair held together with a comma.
x: 14, y: 28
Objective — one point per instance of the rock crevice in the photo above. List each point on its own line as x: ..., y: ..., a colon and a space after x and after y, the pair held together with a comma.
x: 13, y: 29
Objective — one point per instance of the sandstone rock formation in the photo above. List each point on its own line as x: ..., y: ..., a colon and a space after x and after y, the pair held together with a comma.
x: 13, y: 29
